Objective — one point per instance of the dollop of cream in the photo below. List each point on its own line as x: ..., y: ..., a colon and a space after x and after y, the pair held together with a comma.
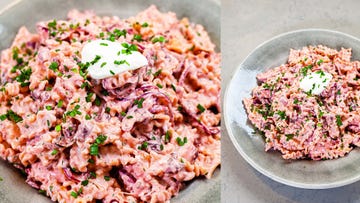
x: 109, y: 58
x: 315, y: 82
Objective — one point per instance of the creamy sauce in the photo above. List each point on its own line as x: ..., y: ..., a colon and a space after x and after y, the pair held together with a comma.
x: 108, y: 58
x: 315, y: 82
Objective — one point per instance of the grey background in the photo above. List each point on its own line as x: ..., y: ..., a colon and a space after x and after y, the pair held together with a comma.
x: 245, y: 25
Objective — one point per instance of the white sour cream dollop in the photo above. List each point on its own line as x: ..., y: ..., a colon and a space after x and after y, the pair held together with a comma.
x: 315, y: 82
x: 106, y: 58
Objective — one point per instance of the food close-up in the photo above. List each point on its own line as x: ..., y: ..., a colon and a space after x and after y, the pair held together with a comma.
x: 102, y: 108
x: 307, y: 108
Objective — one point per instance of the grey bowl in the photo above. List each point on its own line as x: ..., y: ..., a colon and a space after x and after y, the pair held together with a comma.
x: 13, y: 188
x: 298, y: 173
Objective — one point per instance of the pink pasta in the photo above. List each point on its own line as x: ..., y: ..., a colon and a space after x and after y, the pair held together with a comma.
x: 302, y: 125
x: 134, y: 137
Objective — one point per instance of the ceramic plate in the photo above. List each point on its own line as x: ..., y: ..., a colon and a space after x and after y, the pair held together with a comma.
x: 298, y: 173
x: 13, y: 188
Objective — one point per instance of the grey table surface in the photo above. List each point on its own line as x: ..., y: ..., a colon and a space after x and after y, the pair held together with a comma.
x: 245, y: 25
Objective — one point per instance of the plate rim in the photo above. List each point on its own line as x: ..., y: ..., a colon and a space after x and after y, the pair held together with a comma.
x: 239, y: 148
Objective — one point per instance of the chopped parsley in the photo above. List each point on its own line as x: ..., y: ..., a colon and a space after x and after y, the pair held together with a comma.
x: 289, y: 136
x: 52, y: 24
x: 338, y: 120
x: 200, y: 108
x: 296, y: 101
x: 104, y: 44
x: 322, y: 74
x: 94, y: 149
x: 87, y: 117
x: 96, y: 59
x: 87, y: 22
x: 145, y: 24
x: 54, y: 152
x: 128, y: 48
x: 116, y: 34
x: 58, y: 128
x: 130, y: 117
x: 143, y: 146
x: 180, y: 141
x: 60, y: 103
x: 157, y: 73
x: 112, y: 72
x: 74, y: 194
x: 24, y: 76
x: 12, y: 116
x: 173, y: 87
x: 122, y: 113
x: 97, y: 101
x: 85, y: 182
x: 54, y: 66
x: 74, y: 112
x: 121, y: 62
x: 158, y: 39
x: 103, y: 64
x: 167, y: 136
x: 137, y: 37
x: 319, y: 62
x: 159, y: 85
x: 89, y: 96
x: 48, y: 108
x: 139, y: 102
x: 107, y: 178
x: 100, y: 139
x: 107, y: 110
x: 92, y: 174
x: 305, y: 70
x: 282, y: 114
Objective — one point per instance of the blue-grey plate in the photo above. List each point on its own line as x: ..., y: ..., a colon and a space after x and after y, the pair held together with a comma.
x: 13, y: 188
x: 298, y: 173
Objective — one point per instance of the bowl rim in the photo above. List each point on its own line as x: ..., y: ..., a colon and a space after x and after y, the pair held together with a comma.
x: 232, y: 135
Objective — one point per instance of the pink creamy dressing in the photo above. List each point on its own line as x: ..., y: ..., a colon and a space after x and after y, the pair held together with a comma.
x: 136, y: 136
x: 314, y: 125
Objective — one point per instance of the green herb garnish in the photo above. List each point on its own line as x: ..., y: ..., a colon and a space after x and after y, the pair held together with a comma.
x: 157, y: 73
x: 139, y: 102
x: 60, y: 104
x: 54, y: 152
x: 289, y: 136
x: 107, y: 178
x: 338, y: 120
x: 54, y: 66
x: 282, y: 114
x: 319, y: 62
x: 158, y: 39
x: 58, y: 128
x: 143, y: 146
x: 200, y: 108
x: 137, y: 37
x: 180, y: 141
